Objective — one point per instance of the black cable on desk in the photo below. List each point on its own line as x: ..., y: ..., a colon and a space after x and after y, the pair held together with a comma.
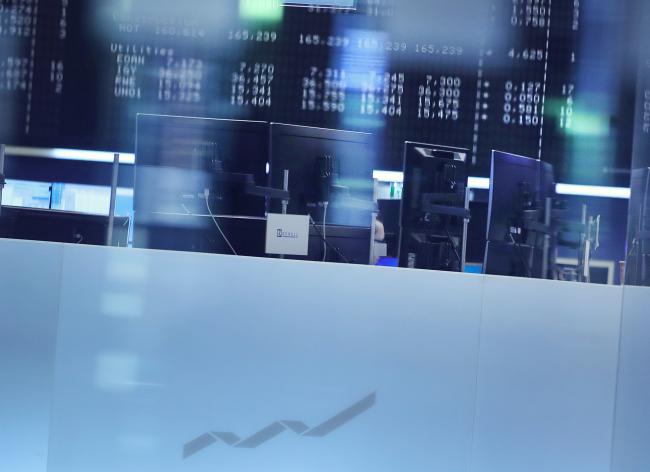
x: 331, y: 246
x: 519, y: 252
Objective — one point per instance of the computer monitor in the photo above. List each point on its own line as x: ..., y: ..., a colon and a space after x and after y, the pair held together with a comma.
x: 178, y: 159
x: 515, y: 184
x: 27, y: 194
x: 514, y: 205
x: 324, y: 165
x: 433, y: 175
x: 638, y: 260
x: 433, y: 213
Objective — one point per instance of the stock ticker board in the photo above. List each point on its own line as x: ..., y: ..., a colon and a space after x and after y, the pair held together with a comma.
x: 541, y: 78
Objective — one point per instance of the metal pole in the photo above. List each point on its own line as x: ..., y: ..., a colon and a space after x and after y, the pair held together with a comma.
x: 111, y: 211
x: 285, y: 203
x: 588, y: 248
x: 285, y: 187
x: 2, y: 171
x: 468, y: 194
x: 547, y: 238
x: 582, y: 256
x: 373, y: 223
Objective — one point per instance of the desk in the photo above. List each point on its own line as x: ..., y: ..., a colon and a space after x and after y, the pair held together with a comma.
x: 198, y: 233
x: 117, y: 359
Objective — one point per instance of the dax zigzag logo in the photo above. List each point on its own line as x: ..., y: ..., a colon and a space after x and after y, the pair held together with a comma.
x: 274, y: 429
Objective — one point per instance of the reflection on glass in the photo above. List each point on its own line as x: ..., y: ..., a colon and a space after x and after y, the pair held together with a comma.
x: 552, y: 81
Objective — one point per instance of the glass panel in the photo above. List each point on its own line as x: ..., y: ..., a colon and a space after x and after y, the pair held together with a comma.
x: 30, y: 283
x: 549, y: 82
x: 632, y: 421
x: 547, y: 376
x: 638, y: 241
x: 165, y: 361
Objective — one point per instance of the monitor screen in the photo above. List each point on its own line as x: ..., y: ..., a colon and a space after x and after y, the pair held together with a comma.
x: 515, y: 182
x: 27, y: 194
x: 179, y: 158
x: 433, y: 175
x: 325, y: 165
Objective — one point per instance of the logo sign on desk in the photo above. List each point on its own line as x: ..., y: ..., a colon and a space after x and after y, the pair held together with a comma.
x: 287, y: 235
x: 274, y: 429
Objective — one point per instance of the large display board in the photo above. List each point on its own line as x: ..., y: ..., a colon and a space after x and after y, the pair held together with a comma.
x: 543, y: 78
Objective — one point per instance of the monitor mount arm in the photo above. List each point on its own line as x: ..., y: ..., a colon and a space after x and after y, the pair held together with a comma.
x: 589, y: 248
x: 588, y: 230
x: 267, y: 192
x: 640, y: 265
x: 433, y: 203
x: 247, y: 183
x: 428, y: 206
x: 589, y: 244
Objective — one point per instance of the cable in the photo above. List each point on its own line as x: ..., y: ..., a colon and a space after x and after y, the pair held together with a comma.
x: 325, y: 205
x: 635, y: 247
x: 332, y: 247
x: 206, y: 194
x: 521, y: 255
x: 453, y: 246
